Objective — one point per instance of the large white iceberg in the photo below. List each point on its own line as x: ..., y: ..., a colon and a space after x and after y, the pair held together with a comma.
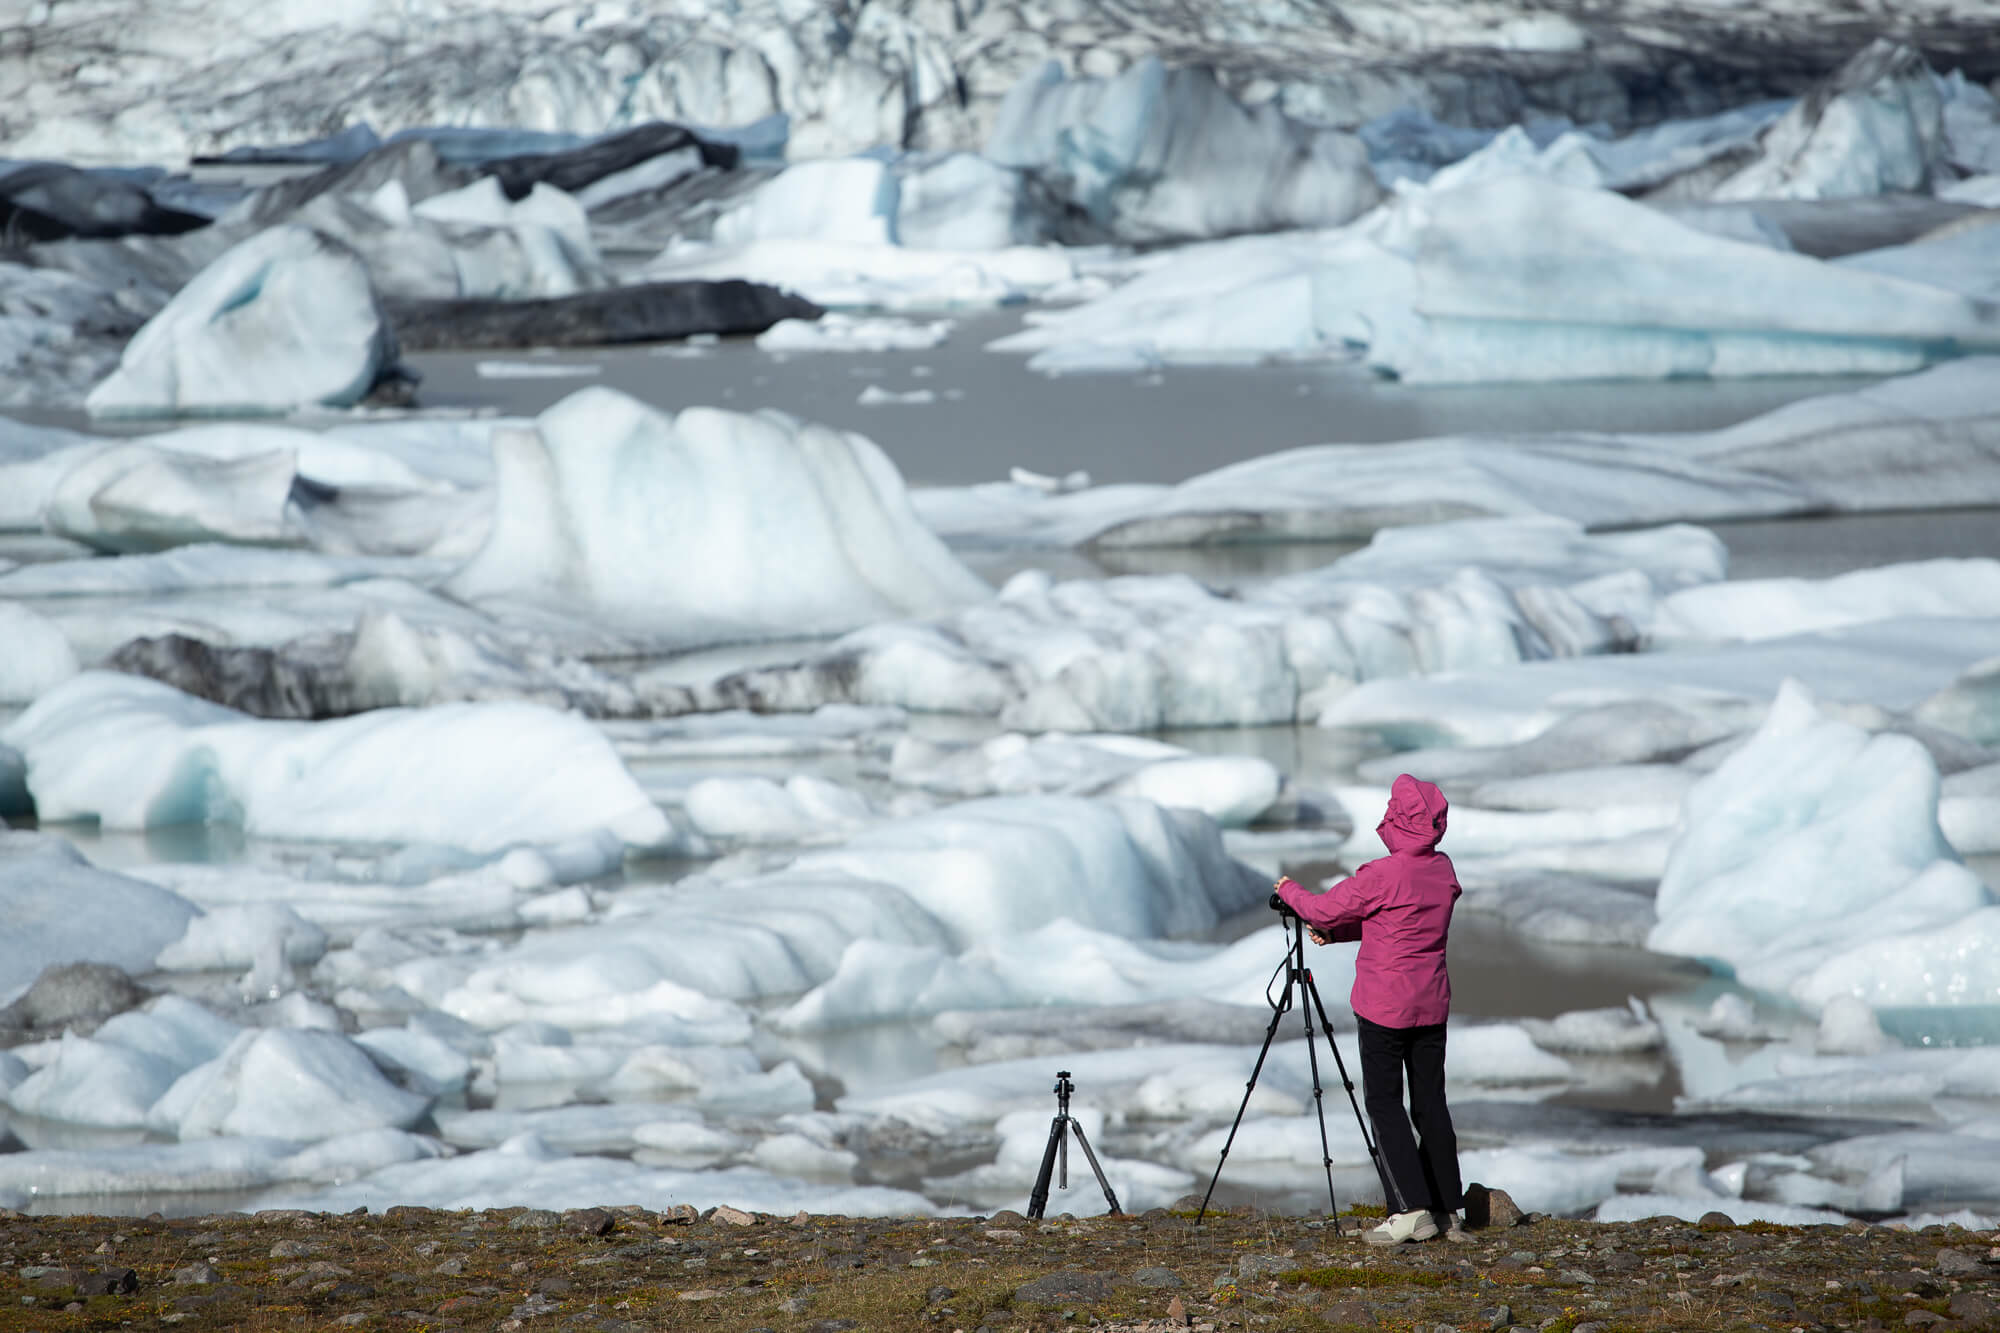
x: 707, y: 526
x: 283, y: 320
x: 1158, y: 154
x: 1811, y: 862
x: 134, y: 753
x: 1516, y: 278
x: 285, y: 1082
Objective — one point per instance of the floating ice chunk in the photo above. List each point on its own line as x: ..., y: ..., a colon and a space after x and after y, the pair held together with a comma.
x: 760, y: 810
x: 265, y: 936
x: 238, y: 337
x: 1166, y: 154
x: 411, y: 1051
x: 1597, y: 1031
x: 832, y: 729
x: 1891, y: 664
x: 1060, y: 964
x: 1639, y: 1207
x: 1875, y: 125
x: 37, y: 656
x: 538, y: 370
x: 1232, y: 790
x: 1847, y: 1026
x: 92, y: 1082
x: 309, y: 1084
x: 1751, y: 609
x: 998, y: 866
x: 879, y: 277
x: 549, y: 225
x: 53, y: 906
x: 847, y: 201
x: 1734, y: 1018
x: 835, y: 332
x: 1550, y: 1180
x: 965, y: 201
x: 137, y: 754
x: 1937, y: 1166
x: 1969, y: 705
x: 811, y: 526
x: 1809, y: 847
x: 1637, y: 300
x: 572, y: 1129
x: 525, y: 1171
x: 877, y: 396
x: 689, y: 1143
x: 797, y: 1155
x: 136, y: 498
x: 208, y: 1165
x: 1961, y: 260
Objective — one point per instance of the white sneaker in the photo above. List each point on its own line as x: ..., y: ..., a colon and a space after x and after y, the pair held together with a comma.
x: 1417, y: 1224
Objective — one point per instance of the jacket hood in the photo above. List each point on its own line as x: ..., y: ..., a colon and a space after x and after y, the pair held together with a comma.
x: 1415, y: 820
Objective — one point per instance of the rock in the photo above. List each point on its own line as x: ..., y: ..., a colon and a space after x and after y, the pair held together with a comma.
x: 196, y: 1275
x: 107, y: 1282
x: 643, y: 312
x: 1974, y: 1308
x: 1957, y: 1263
x: 832, y: 1325
x: 1157, y: 1278
x: 1002, y: 1235
x: 681, y: 1214
x: 1919, y: 1319
x: 1350, y: 1312
x: 286, y: 319
x: 1065, y: 1286
x: 295, y: 1249
x: 734, y: 1217
x: 1486, y: 1207
x: 589, y: 1221
x: 794, y: 1305
x: 1576, y: 1277
x: 69, y: 992
x: 1498, y: 1316
x: 535, y: 1219
x: 1177, y: 1312
x: 1264, y: 1265
x: 1713, y: 1220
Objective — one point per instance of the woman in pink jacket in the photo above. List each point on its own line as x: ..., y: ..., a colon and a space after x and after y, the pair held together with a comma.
x: 1399, y: 907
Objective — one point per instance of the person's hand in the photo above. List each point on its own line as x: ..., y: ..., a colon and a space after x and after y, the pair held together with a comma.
x: 1316, y: 937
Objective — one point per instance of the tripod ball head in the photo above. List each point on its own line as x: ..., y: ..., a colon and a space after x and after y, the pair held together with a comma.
x: 1063, y: 1086
x: 1281, y: 907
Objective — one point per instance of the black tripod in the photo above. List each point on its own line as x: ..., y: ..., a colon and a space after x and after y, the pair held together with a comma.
x: 1298, y: 975
x: 1058, y: 1150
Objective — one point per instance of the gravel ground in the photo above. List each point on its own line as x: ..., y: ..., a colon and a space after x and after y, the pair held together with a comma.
x: 630, y: 1268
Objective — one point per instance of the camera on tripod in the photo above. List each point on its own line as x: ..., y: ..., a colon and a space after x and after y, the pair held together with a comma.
x: 1281, y: 907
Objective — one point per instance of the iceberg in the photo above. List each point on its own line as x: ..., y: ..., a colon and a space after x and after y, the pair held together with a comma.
x: 133, y: 753
x: 37, y: 657
x: 1158, y: 154
x: 1516, y: 278
x: 705, y: 527
x: 1812, y: 864
x: 53, y: 906
x: 1875, y: 125
x: 294, y: 1083
x: 283, y: 320
x: 1140, y: 653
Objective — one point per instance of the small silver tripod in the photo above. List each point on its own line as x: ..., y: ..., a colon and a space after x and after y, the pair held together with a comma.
x: 1060, y: 1129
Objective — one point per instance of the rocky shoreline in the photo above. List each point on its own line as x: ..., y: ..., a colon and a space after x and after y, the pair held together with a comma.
x: 630, y: 1268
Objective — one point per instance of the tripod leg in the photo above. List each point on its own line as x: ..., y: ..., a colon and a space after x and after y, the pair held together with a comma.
x: 1277, y: 1016
x: 1391, y: 1195
x: 1038, y: 1200
x: 1095, y: 1169
x: 1312, y: 1059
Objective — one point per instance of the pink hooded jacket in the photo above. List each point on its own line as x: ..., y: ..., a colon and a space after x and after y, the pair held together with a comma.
x: 1399, y: 907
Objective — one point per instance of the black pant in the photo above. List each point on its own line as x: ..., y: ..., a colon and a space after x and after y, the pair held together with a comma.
x: 1426, y: 1172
